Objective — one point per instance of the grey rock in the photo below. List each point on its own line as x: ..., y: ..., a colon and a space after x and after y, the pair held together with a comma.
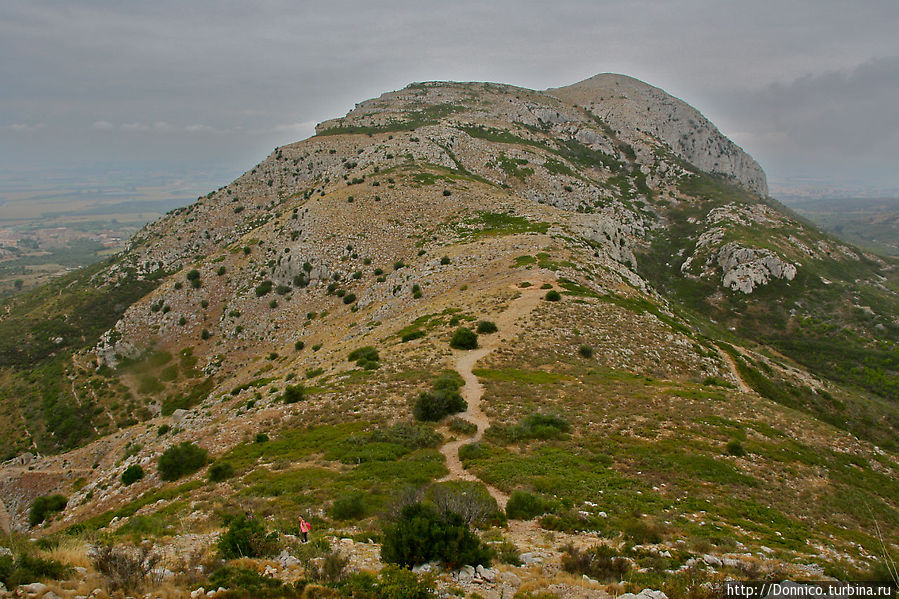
x: 178, y: 415
x: 35, y: 588
x: 51, y: 595
x: 465, y: 574
x: 711, y: 560
x: 486, y: 573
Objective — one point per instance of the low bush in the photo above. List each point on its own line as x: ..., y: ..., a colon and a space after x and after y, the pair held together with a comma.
x: 181, y: 460
x: 464, y: 338
x: 525, y: 506
x: 553, y: 296
x: 348, y: 507
x: 243, y: 582
x: 44, y: 506
x: 293, y: 394
x: 349, y: 298
x: 221, y: 471
x: 485, y: 327
x: 132, y: 474
x: 462, y: 426
x: 433, y: 405
x: 412, y: 336
x: 600, y: 563
x: 25, y: 568
x: 125, y: 569
x: 264, y: 288
x: 247, y: 537
x: 365, y: 357
x: 392, y: 582
x: 586, y: 351
x: 421, y: 535
x: 735, y: 448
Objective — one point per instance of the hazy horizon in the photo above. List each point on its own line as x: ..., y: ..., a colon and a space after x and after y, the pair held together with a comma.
x: 146, y: 92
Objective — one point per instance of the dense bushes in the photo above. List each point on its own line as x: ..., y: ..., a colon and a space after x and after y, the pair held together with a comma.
x: 247, y: 537
x: 532, y: 426
x: 26, y: 568
x: 421, y: 535
x: 464, y: 338
x: 600, y: 562
x: 293, y: 394
x: 221, y: 471
x: 553, y: 296
x: 365, y: 357
x: 44, y: 506
x: 180, y: 460
x: 348, y: 507
x: 442, y: 400
x: 485, y: 327
x: 132, y: 474
x: 524, y: 506
x: 125, y: 569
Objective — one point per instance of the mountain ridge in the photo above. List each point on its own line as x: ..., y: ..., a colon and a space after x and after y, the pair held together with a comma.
x: 690, y: 313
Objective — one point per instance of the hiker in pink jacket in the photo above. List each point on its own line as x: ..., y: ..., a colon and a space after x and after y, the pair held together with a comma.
x: 305, y: 527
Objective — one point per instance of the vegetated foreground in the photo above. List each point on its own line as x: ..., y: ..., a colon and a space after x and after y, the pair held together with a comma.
x: 522, y: 342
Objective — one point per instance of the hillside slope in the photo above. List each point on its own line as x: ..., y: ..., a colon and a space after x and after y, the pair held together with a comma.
x: 713, y: 376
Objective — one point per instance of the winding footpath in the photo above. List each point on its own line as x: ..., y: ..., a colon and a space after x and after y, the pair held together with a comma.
x: 464, y: 362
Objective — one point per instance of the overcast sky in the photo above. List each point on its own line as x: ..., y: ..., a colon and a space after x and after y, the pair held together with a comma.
x: 809, y: 88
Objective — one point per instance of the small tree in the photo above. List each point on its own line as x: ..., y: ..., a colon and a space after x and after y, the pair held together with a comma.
x: 180, y: 460
x: 246, y: 537
x: 293, y: 394
x: 132, y: 474
x: 45, y: 505
x: 553, y: 296
x: 220, y: 471
x: 421, y: 534
x: 464, y: 338
x: 485, y: 327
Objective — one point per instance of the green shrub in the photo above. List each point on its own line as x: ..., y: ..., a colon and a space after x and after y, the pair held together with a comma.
x: 365, y: 357
x: 44, y: 506
x: 445, y: 260
x: 260, y: 438
x: 508, y: 553
x: 398, y: 265
x: 349, y: 298
x: 348, y: 507
x: 293, y: 394
x: 735, y: 448
x: 542, y: 426
x: 464, y: 338
x: 434, y: 405
x: 421, y: 535
x: 180, y: 460
x: 586, y: 351
x: 462, y: 426
x: 221, y: 271
x: 299, y: 345
x: 193, y: 275
x: 553, y: 296
x: 600, y: 562
x: 205, y: 334
x: 163, y: 429
x: 412, y: 336
x: 247, y: 537
x: 409, y: 435
x: 264, y: 288
x: 243, y: 582
x: 220, y: 471
x: 524, y: 506
x: 27, y: 568
x: 485, y: 327
x: 132, y: 474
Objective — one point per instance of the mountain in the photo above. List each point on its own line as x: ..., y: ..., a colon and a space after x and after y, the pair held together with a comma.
x: 680, y: 362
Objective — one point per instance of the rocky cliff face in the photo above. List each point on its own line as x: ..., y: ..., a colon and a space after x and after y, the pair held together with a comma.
x: 633, y: 107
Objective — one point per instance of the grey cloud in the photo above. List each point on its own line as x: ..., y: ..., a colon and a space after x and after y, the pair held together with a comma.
x: 220, y: 83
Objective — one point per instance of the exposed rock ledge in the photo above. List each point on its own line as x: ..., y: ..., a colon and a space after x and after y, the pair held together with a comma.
x: 747, y: 268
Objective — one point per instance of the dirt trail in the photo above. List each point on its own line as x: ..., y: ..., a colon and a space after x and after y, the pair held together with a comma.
x: 464, y: 362
x: 733, y: 368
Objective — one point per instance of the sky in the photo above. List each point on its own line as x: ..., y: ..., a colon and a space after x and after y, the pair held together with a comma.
x: 207, y: 88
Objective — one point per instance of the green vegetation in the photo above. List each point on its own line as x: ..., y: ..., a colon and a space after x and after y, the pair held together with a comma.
x: 247, y: 537
x: 45, y: 506
x: 181, y: 460
x: 220, y: 471
x: 421, y: 534
x: 443, y: 399
x: 485, y: 327
x: 428, y: 115
x: 132, y: 474
x: 464, y: 338
x: 553, y: 296
x: 366, y: 357
x: 22, y: 567
x: 293, y: 394
x: 525, y: 506
x: 599, y: 562
x: 491, y: 224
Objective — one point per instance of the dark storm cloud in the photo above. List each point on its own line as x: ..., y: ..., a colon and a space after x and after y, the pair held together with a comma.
x: 220, y: 83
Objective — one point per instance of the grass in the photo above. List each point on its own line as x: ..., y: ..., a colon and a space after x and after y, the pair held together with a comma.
x: 495, y: 224
x: 531, y: 377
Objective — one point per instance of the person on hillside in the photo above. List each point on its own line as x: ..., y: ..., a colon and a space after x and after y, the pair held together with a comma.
x: 305, y: 527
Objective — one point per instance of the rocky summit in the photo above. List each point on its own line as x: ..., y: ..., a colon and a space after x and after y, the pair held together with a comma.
x: 553, y: 343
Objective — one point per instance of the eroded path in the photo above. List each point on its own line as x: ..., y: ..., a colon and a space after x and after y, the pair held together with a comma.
x: 464, y: 362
